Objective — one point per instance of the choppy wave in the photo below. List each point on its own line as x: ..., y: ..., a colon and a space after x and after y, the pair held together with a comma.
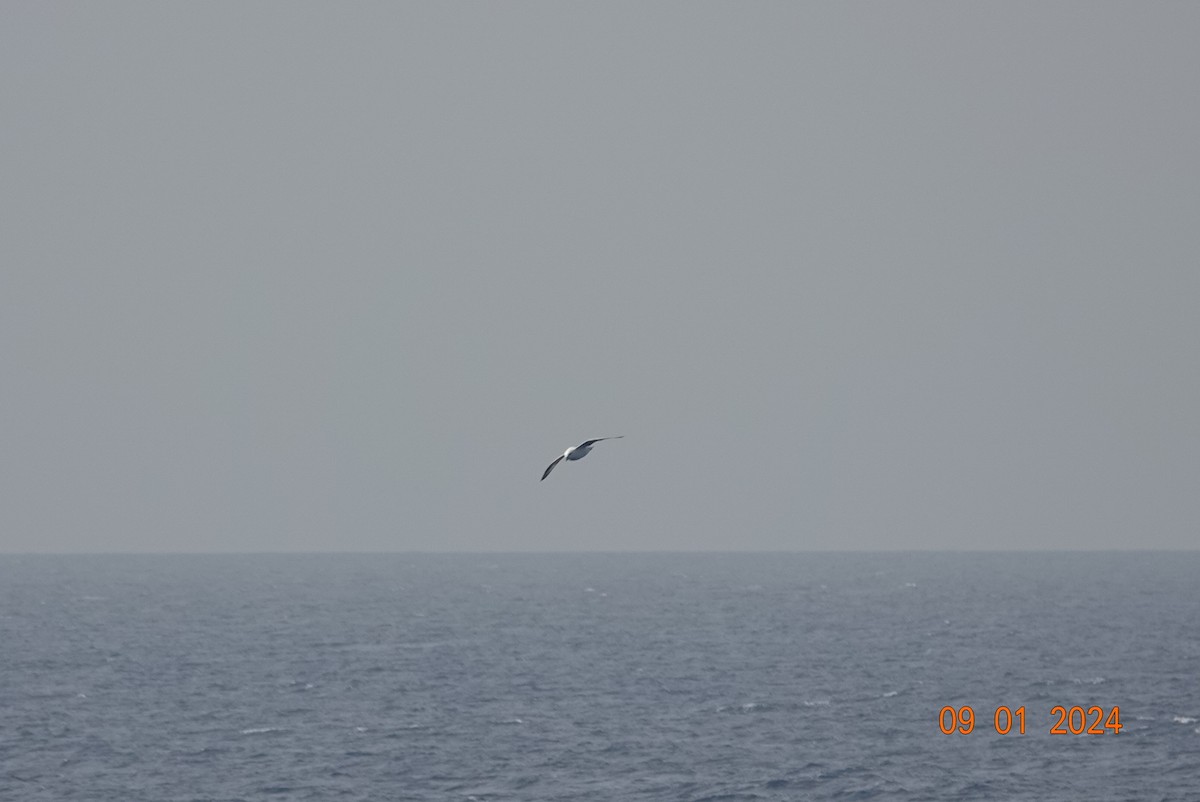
x: 768, y: 677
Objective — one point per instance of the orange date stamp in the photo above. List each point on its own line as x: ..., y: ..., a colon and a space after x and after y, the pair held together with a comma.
x: 1076, y: 720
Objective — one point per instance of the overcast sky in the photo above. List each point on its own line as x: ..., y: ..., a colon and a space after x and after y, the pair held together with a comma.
x: 347, y: 277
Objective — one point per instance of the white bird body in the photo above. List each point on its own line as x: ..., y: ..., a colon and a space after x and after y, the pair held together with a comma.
x: 577, y: 452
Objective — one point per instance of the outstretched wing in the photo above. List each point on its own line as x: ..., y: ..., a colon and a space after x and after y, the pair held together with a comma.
x: 551, y: 467
x: 587, y: 443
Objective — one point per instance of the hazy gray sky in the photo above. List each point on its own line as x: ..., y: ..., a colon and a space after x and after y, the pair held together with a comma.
x: 298, y: 276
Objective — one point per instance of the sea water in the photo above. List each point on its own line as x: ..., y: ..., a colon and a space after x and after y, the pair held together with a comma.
x: 600, y: 677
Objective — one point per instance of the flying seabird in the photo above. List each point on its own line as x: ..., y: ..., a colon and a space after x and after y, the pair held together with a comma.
x: 578, y: 452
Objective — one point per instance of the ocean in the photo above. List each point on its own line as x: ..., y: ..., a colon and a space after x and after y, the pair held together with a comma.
x: 600, y: 677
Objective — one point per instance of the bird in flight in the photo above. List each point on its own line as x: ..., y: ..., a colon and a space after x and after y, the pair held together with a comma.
x: 577, y: 452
